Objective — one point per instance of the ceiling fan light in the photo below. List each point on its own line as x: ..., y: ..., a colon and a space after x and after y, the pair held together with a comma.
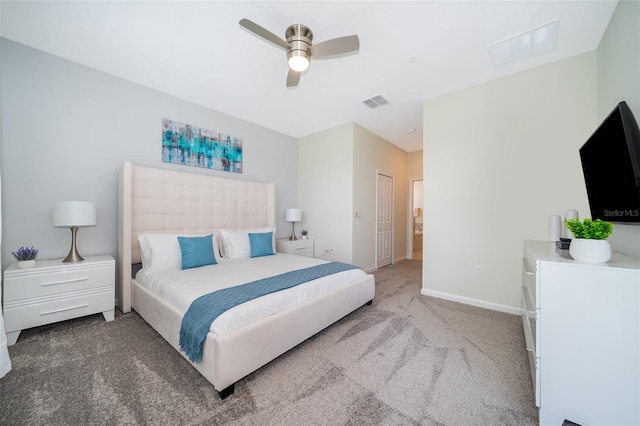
x: 298, y: 63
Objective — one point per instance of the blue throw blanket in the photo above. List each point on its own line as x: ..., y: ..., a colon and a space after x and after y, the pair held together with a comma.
x: 205, y: 309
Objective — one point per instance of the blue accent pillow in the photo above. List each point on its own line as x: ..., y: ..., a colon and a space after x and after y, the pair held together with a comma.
x: 261, y: 244
x: 197, y: 251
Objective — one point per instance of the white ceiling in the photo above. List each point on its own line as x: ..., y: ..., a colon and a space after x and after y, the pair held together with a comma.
x: 198, y: 52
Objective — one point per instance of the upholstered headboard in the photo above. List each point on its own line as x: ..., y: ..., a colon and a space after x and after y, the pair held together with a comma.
x: 166, y: 201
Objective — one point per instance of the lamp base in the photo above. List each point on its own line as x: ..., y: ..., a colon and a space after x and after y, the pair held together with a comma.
x: 293, y: 232
x: 73, y: 255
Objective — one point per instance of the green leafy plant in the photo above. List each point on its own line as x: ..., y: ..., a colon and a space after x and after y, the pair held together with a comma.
x: 25, y: 253
x: 590, y: 229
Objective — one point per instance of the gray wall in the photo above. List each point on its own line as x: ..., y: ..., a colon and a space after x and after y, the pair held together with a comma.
x: 66, y: 130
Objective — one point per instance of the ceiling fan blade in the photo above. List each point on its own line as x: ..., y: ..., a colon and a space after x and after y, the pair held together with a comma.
x: 293, y: 77
x: 336, y: 46
x: 264, y: 33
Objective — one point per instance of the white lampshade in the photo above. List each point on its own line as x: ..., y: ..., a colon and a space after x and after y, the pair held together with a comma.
x: 293, y: 215
x: 74, y: 213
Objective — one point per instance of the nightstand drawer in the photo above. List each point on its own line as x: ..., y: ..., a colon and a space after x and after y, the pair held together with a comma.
x: 305, y: 249
x: 45, y: 283
x: 20, y: 315
x: 297, y: 247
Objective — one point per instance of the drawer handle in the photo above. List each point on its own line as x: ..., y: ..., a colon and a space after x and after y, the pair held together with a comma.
x: 301, y: 248
x: 526, y: 268
x: 65, y: 281
x: 65, y: 309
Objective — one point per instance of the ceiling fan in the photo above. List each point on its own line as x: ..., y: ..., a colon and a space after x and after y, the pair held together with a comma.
x: 300, y: 48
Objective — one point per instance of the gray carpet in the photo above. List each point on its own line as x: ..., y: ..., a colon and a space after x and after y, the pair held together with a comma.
x: 406, y: 360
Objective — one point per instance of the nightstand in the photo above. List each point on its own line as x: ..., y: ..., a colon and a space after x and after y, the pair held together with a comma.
x: 53, y: 291
x: 299, y: 247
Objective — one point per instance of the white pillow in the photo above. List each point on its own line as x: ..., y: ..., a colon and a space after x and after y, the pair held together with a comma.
x: 162, y: 251
x: 236, y: 243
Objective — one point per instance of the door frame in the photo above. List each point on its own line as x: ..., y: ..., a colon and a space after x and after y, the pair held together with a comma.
x: 393, y: 181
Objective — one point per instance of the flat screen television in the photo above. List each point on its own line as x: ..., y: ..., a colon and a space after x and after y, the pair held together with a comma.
x: 611, y: 167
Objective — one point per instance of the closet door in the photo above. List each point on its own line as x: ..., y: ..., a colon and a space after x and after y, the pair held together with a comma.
x: 384, y: 221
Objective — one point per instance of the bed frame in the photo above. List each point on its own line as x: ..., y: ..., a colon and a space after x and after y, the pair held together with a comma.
x: 166, y: 201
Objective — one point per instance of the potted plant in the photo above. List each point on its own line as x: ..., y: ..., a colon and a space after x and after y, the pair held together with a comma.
x: 304, y: 233
x: 26, y: 257
x: 590, y: 240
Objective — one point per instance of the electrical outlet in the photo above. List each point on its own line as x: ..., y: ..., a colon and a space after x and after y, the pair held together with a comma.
x: 326, y: 252
x: 477, y: 270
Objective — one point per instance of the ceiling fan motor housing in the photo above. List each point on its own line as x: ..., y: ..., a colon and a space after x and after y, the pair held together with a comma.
x: 300, y: 39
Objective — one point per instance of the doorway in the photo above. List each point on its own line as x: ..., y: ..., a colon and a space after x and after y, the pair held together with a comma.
x: 417, y: 219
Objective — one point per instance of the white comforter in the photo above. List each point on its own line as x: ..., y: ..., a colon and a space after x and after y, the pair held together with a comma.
x: 181, y: 287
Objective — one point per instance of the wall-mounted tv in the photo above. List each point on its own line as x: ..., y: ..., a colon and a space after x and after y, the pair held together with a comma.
x: 611, y: 166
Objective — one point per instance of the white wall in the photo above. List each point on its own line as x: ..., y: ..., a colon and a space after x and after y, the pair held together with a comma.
x: 337, y: 177
x: 414, y: 165
x: 619, y: 80
x: 68, y: 128
x: 499, y: 158
x: 325, y: 190
x: 373, y: 155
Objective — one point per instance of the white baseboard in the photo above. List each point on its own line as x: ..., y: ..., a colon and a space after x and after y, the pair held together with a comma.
x: 472, y: 302
x: 375, y: 268
x: 400, y: 259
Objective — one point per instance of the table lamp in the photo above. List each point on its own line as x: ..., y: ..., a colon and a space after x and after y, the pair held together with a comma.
x: 293, y: 216
x: 74, y: 214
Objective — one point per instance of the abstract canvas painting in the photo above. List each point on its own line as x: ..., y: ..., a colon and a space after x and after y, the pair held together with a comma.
x: 194, y: 146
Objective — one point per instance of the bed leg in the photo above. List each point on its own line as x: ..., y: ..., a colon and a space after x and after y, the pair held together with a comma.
x: 227, y: 391
x: 369, y: 302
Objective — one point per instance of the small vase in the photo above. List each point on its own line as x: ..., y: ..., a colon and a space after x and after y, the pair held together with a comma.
x: 591, y: 251
x: 304, y: 237
x: 26, y: 264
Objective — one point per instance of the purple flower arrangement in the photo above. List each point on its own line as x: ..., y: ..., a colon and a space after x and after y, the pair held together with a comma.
x: 25, y: 253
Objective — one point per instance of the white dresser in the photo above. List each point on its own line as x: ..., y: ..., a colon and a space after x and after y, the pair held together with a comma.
x: 53, y: 291
x: 299, y: 247
x: 582, y: 330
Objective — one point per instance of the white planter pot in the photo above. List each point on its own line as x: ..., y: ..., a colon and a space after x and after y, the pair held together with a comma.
x: 26, y: 264
x: 592, y: 251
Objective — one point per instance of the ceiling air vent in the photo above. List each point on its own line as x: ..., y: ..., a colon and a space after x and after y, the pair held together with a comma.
x: 375, y: 102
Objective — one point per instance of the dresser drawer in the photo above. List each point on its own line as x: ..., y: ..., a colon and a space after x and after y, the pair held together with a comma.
x: 22, y: 314
x: 44, y: 284
x: 529, y: 317
x: 529, y: 281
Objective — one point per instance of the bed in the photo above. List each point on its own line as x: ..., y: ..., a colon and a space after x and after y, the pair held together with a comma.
x: 157, y: 202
